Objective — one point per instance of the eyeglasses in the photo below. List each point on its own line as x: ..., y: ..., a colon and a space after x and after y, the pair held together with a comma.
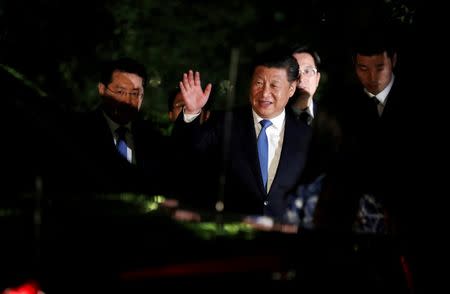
x: 308, y: 71
x: 124, y: 94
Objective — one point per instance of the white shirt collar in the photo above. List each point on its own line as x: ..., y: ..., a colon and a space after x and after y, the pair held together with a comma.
x: 277, y: 121
x: 383, y: 94
x: 310, y: 109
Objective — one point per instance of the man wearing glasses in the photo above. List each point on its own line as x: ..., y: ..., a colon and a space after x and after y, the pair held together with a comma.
x: 126, y: 148
x: 325, y: 143
x: 309, y: 78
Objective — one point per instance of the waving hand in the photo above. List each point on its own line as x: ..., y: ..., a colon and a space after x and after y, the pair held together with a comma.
x: 193, y: 95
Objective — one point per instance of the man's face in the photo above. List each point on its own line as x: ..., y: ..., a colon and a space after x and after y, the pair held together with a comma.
x: 374, y: 72
x: 177, y: 107
x: 309, y: 77
x: 270, y: 91
x: 122, y: 97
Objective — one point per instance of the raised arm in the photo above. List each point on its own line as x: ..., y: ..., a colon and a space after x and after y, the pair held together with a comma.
x: 194, y: 96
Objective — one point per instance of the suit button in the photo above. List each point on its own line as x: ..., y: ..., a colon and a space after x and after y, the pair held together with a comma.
x: 266, y: 203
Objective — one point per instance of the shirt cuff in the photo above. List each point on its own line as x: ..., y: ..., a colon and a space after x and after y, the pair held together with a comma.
x: 190, y: 117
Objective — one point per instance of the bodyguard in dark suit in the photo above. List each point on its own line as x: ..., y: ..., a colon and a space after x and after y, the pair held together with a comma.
x: 121, y: 151
x: 234, y: 135
x: 376, y: 119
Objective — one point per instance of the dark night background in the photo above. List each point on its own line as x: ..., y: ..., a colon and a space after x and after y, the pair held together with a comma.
x: 50, y: 52
x: 57, y: 45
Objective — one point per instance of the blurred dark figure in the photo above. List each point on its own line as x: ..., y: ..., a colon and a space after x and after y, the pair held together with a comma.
x: 28, y: 121
x: 35, y: 139
x: 175, y: 106
x: 202, y: 179
x: 326, y: 137
x: 372, y: 184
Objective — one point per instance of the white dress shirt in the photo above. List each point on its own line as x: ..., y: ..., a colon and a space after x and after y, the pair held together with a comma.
x: 275, y: 136
x: 382, y: 96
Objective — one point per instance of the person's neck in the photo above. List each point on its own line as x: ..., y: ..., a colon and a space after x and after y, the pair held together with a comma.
x: 302, y: 103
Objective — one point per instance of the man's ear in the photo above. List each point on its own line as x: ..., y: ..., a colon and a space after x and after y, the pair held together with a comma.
x: 171, y: 118
x: 394, y: 60
x: 292, y: 88
x: 101, y: 88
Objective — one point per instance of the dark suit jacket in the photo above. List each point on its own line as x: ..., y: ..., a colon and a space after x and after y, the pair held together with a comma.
x: 100, y: 168
x: 244, y: 191
x: 325, y: 143
x: 319, y: 181
x: 373, y: 158
x: 381, y: 144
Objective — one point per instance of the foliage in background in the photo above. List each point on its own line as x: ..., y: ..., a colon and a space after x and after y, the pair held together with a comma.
x: 173, y: 38
x: 58, y: 45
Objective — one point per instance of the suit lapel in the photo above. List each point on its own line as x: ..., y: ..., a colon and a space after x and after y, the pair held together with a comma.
x: 290, y: 150
x: 247, y: 139
x: 101, y: 131
x: 392, y: 102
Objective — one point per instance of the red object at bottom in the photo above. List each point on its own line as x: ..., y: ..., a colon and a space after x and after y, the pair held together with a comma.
x: 27, y: 288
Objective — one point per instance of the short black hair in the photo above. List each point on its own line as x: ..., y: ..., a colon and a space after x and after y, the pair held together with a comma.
x: 374, y: 41
x: 306, y: 48
x: 124, y: 64
x: 278, y: 58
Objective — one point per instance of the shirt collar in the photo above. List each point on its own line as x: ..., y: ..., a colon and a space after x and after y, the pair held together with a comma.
x: 113, y: 125
x: 277, y: 121
x: 383, y: 94
x: 309, y: 109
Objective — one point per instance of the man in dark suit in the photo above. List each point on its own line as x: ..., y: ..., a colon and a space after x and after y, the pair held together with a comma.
x: 303, y: 103
x: 326, y: 136
x: 121, y: 151
x: 376, y: 122
x: 320, y: 116
x: 251, y: 187
x: 381, y: 122
x: 384, y: 125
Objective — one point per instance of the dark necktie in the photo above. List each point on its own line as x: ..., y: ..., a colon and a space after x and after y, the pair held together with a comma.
x: 374, y: 105
x: 263, y: 150
x: 305, y: 117
x: 121, y: 143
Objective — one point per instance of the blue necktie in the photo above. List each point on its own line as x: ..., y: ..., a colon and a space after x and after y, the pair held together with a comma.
x: 263, y: 150
x: 121, y: 141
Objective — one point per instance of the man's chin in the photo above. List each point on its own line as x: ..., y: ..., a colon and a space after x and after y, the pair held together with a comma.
x: 303, y: 93
x: 124, y: 117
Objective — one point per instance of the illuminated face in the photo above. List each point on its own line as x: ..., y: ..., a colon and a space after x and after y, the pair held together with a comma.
x: 122, y: 97
x: 309, y: 76
x: 374, y: 72
x: 270, y: 91
x: 177, y: 107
